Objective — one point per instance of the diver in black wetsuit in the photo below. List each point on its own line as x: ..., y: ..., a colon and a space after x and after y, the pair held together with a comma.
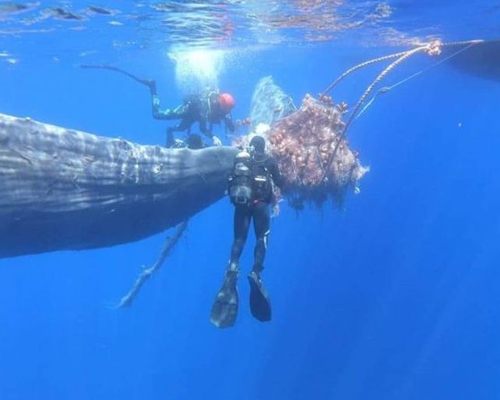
x: 251, y: 191
x: 265, y: 173
x: 206, y: 109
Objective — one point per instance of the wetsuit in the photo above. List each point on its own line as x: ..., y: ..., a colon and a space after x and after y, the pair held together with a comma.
x: 258, y: 210
x: 196, y: 108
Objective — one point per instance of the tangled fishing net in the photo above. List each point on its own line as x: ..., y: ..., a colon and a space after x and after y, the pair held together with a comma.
x: 309, y: 143
x: 301, y: 141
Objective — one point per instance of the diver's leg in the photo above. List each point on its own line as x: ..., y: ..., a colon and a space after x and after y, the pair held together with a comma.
x: 225, y: 306
x: 261, y: 222
x: 182, y: 126
x: 242, y: 217
x: 260, y: 306
x: 170, y: 137
x: 180, y: 112
x: 151, y: 83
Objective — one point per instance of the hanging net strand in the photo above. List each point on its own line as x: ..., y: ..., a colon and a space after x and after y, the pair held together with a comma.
x: 127, y: 300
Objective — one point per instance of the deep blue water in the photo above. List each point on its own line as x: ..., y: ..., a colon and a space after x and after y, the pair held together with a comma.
x: 395, y: 296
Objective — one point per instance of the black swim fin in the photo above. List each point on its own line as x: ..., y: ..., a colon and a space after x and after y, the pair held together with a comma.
x: 260, y: 305
x: 225, y: 307
x: 151, y: 84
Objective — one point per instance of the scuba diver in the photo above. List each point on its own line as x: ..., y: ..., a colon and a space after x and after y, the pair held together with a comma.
x: 251, y: 190
x: 207, y: 109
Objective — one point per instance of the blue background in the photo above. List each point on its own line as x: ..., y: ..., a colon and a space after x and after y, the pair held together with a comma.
x: 395, y: 296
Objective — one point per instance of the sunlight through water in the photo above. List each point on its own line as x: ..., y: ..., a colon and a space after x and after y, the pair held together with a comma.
x: 198, y: 68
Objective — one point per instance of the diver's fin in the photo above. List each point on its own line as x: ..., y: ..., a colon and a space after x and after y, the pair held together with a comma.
x: 147, y: 82
x: 260, y: 305
x: 225, y: 307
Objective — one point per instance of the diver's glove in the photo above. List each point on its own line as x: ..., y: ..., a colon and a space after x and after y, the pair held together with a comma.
x: 178, y: 144
x: 216, y: 141
x: 243, y: 122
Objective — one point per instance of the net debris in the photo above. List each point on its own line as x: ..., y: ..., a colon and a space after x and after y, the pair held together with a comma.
x: 301, y: 143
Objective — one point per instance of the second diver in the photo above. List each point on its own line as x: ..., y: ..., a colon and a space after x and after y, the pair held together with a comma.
x: 208, y: 108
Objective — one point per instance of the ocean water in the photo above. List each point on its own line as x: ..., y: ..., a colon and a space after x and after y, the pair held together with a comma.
x: 393, y: 296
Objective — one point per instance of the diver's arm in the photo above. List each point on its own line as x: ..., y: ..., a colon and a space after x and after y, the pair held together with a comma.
x: 155, y: 100
x: 228, y: 120
x: 158, y: 113
x: 207, y: 131
x: 274, y: 169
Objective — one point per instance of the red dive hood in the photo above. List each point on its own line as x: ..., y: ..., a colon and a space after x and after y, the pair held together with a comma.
x: 226, y: 102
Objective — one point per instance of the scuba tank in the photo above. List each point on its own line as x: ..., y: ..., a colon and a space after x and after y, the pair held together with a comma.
x: 250, y: 180
x: 240, y: 182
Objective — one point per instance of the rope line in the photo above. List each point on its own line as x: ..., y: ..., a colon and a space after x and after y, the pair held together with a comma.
x: 433, y: 48
x: 385, y: 89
